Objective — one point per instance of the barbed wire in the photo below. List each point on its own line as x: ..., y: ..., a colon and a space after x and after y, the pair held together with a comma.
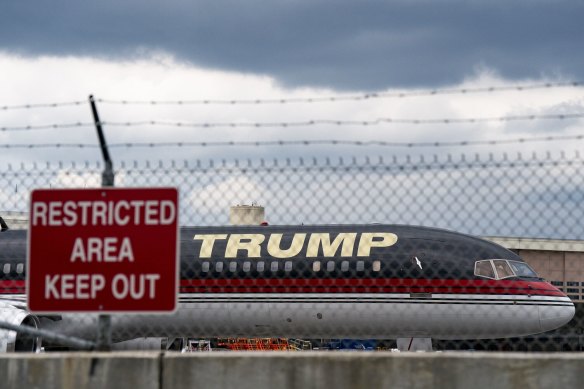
x: 53, y: 126
x: 320, y: 142
x: 360, y: 97
x: 372, y: 122
x: 42, y: 105
x: 306, y: 123
x: 338, y: 98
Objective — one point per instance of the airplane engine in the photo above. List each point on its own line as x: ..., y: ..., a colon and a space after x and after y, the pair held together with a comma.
x: 18, y: 342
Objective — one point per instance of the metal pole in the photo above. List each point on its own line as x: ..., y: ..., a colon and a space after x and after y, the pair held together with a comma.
x: 104, y: 322
x: 107, y: 177
x: 104, y: 333
x: 69, y: 341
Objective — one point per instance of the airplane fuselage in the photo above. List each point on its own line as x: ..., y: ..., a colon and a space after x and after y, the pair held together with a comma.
x: 332, y: 281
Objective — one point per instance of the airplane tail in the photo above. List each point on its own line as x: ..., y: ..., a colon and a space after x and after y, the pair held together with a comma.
x: 3, y: 225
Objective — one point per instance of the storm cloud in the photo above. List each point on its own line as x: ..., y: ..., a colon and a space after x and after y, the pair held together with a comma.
x: 343, y: 45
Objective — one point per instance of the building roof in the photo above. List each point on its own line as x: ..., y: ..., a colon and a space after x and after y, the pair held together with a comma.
x: 538, y: 244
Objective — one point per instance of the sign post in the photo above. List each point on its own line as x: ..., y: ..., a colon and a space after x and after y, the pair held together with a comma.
x: 106, y: 251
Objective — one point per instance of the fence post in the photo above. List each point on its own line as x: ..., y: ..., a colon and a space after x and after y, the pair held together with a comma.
x: 107, y: 177
x: 104, y: 322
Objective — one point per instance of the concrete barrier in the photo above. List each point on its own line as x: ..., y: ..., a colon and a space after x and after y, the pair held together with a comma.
x: 80, y: 371
x: 291, y: 370
x: 342, y: 370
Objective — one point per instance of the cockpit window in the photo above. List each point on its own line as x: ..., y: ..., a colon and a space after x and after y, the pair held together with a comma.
x: 484, y: 269
x: 522, y: 269
x: 501, y: 268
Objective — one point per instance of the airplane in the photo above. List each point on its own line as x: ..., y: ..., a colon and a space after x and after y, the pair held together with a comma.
x: 409, y: 283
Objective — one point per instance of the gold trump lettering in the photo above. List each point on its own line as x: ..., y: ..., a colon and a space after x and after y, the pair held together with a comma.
x: 248, y: 242
x: 347, y: 239
x: 374, y: 239
x: 208, y: 242
x: 251, y: 244
x: 275, y: 250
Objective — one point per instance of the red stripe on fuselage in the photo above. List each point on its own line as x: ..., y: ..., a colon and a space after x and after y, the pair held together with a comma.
x: 12, y: 287
x: 369, y: 285
x: 348, y: 285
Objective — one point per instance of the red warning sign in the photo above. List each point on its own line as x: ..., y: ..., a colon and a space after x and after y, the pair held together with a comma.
x: 108, y: 250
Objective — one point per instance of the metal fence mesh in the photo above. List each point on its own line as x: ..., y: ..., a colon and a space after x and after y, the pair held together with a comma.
x: 530, y: 204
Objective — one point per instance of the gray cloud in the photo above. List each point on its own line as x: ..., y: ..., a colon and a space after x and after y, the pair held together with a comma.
x: 338, y: 44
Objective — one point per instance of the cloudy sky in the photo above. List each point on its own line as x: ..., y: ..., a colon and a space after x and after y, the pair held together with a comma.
x: 64, y: 50
x: 190, y: 51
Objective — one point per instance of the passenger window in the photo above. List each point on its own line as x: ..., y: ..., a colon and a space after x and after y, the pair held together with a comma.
x: 376, y: 266
x: 330, y: 266
x: 316, y: 266
x: 503, y: 269
x: 232, y: 267
x: 484, y: 269
x: 288, y: 266
x: 260, y: 266
x: 360, y: 265
x: 205, y: 267
x: 20, y: 268
x: 274, y: 266
x: 219, y: 267
x: 345, y: 266
x: 246, y: 266
x: 6, y: 268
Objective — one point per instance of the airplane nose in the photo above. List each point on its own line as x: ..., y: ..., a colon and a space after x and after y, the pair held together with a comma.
x: 552, y: 317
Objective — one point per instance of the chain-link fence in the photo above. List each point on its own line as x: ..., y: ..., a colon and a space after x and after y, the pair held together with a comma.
x: 355, y: 254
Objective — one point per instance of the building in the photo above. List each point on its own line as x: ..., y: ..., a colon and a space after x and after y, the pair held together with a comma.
x: 560, y: 262
x: 15, y: 220
x: 246, y: 215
